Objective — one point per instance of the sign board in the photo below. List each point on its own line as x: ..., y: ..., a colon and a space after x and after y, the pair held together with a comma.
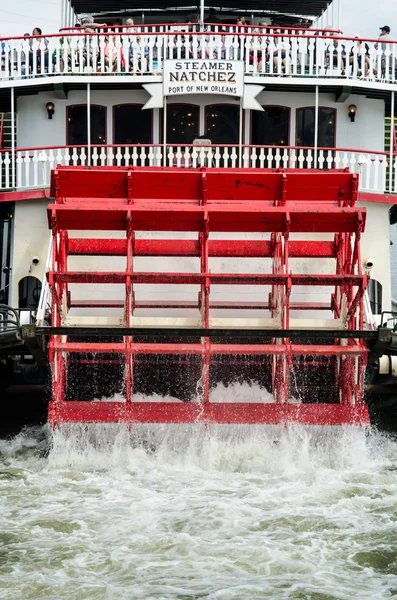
x: 203, y: 76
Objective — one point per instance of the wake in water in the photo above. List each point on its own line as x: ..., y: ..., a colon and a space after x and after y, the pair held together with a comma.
x: 231, y: 448
x: 221, y: 512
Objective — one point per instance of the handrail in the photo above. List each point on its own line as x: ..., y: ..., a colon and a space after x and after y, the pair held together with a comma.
x: 8, y: 317
x: 32, y: 166
x: 329, y: 35
x: 181, y: 144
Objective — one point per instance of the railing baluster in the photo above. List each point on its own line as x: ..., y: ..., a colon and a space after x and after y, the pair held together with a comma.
x: 19, y: 163
x: 119, y: 156
x: 35, y: 168
x: 143, y: 156
x: 26, y: 161
x: 151, y: 156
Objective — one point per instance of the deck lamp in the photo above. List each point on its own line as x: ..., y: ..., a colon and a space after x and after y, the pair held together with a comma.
x: 352, y: 112
x: 50, y: 109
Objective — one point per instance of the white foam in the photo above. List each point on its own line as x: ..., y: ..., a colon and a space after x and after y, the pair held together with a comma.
x: 195, y: 511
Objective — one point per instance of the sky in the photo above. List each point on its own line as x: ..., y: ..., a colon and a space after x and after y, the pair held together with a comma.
x: 359, y: 17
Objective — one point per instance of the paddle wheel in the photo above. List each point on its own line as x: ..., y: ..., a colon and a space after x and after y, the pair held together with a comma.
x: 160, y: 303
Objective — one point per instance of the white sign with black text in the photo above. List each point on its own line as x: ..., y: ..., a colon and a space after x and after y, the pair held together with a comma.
x: 203, y: 76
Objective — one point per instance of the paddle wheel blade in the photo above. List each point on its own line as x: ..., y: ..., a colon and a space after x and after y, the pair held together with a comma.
x: 227, y: 249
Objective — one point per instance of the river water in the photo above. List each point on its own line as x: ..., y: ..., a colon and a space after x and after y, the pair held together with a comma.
x: 186, y: 512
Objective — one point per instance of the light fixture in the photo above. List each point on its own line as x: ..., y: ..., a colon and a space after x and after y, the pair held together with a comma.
x: 352, y: 112
x: 50, y: 109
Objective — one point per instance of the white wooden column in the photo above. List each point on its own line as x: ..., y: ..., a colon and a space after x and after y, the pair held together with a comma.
x: 89, y: 124
x: 391, y: 154
x: 13, y: 181
x: 316, y: 129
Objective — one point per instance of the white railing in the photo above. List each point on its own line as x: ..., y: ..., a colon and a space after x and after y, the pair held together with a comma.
x: 142, y: 53
x: 33, y: 165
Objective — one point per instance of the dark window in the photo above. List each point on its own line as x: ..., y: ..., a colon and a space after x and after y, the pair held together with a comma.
x: 270, y: 127
x: 77, y: 125
x: 182, y: 123
x: 326, y: 127
x: 375, y: 296
x: 132, y: 125
x: 222, y: 123
x: 29, y: 289
x: 5, y: 252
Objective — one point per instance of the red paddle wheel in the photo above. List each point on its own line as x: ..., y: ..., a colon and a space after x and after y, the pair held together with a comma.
x: 231, y: 252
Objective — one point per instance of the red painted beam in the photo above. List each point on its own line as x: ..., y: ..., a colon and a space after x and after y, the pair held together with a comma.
x: 44, y: 193
x: 186, y: 184
x: 222, y: 218
x: 213, y: 349
x: 377, y: 198
x: 191, y: 412
x: 215, y: 278
x: 216, y: 248
x: 40, y: 194
x: 186, y: 304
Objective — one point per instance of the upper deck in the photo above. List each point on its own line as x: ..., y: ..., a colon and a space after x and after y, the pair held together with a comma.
x: 96, y: 80
x: 139, y: 55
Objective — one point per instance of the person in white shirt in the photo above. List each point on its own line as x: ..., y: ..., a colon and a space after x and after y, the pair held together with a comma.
x: 384, y: 37
x: 385, y: 34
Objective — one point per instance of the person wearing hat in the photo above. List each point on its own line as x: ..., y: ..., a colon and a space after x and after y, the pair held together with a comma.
x: 384, y: 36
x: 384, y: 32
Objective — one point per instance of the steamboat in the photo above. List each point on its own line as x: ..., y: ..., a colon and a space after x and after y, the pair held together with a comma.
x: 191, y: 197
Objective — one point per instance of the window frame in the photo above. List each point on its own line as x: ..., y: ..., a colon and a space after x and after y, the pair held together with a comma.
x: 114, y: 122
x: 314, y: 108
x: 39, y: 285
x: 67, y: 124
x: 161, y: 120
x: 237, y: 106
x: 289, y: 121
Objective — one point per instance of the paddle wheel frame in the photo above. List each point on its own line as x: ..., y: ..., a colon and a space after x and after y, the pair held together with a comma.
x: 211, y: 204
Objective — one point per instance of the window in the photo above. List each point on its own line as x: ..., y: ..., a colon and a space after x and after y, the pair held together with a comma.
x: 132, y: 125
x: 270, y: 127
x: 182, y: 123
x: 77, y: 125
x: 326, y: 127
x: 29, y: 290
x: 375, y: 296
x: 222, y: 123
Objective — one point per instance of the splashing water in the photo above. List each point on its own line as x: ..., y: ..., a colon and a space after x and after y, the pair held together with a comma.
x: 186, y: 512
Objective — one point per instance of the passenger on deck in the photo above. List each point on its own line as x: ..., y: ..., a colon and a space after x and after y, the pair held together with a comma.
x: 281, y: 54
x: 130, y: 22
x: 212, y: 18
x: 40, y: 56
x: 114, y: 53
x: 138, y: 55
x: 360, y: 49
x: 89, y: 24
x: 385, y: 37
x: 334, y: 51
x: 218, y: 49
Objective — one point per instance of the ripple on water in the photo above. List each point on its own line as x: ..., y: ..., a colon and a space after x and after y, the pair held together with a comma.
x: 192, y: 512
